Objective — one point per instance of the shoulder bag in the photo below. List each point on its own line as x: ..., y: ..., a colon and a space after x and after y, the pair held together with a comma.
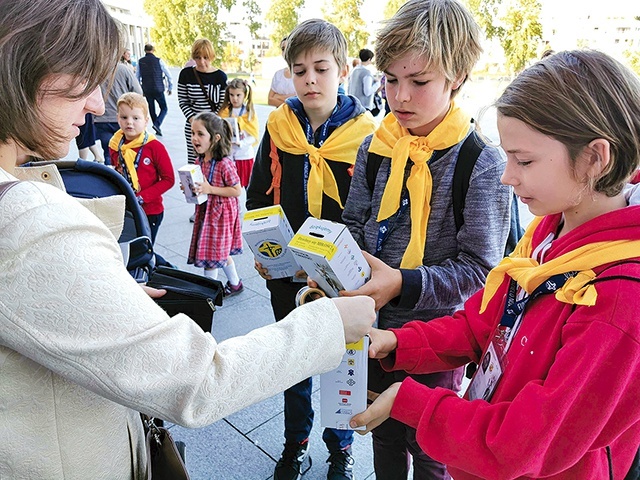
x: 214, y: 107
x: 164, y: 455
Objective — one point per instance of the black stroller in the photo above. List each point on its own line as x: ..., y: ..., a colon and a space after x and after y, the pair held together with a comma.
x: 84, y: 179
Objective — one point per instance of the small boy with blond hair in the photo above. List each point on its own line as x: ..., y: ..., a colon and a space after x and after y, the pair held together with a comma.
x: 427, y: 265
x: 304, y: 163
x: 142, y: 159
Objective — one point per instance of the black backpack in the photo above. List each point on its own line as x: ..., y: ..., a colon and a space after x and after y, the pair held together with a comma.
x: 467, y: 158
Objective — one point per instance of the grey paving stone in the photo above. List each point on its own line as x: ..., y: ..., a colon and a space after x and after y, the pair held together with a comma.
x: 220, y: 452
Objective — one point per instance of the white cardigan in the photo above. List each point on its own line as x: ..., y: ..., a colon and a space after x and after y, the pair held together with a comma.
x: 83, y: 348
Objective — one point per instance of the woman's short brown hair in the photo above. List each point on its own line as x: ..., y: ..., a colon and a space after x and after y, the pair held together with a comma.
x: 203, y: 48
x: 41, y: 38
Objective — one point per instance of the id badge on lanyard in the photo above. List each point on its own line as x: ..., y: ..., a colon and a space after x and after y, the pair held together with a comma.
x: 494, y: 361
x: 489, y: 372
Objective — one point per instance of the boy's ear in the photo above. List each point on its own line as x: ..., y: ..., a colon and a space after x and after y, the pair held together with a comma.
x: 344, y: 73
x: 457, y: 83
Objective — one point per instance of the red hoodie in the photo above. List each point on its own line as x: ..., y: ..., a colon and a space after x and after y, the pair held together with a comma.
x: 570, y: 392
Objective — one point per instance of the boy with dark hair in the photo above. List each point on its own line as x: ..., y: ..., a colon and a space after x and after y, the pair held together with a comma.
x: 309, y: 148
x: 362, y: 83
x: 426, y: 265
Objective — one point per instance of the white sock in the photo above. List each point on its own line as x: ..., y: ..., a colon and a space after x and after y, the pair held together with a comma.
x: 230, y: 272
x: 211, y: 273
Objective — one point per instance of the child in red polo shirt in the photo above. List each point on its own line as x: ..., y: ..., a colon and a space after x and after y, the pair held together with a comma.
x: 141, y: 159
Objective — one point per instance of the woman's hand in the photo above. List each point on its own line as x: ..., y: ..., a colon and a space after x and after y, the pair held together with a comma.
x: 378, y: 411
x: 154, y: 292
x: 357, y: 316
x: 385, y: 283
x: 382, y: 343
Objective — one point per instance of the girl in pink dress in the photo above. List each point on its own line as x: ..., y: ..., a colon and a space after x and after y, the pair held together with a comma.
x: 216, y: 231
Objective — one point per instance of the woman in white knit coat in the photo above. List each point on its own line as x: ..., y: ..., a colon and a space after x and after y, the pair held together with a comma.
x: 82, y: 347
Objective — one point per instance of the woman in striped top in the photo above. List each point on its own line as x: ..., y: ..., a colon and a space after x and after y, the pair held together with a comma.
x: 200, y: 88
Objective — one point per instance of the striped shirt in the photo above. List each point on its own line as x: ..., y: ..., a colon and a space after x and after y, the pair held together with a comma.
x: 192, y: 99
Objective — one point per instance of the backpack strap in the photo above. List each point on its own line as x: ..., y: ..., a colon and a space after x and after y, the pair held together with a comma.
x: 276, y: 173
x: 467, y: 157
x: 373, y: 165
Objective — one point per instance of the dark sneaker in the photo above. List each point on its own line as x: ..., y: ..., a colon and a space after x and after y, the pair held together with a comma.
x: 291, y: 465
x: 230, y: 290
x: 157, y: 130
x: 192, y: 218
x: 340, y: 465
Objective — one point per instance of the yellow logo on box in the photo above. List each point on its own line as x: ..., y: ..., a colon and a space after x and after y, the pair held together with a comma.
x: 314, y: 245
x: 270, y: 249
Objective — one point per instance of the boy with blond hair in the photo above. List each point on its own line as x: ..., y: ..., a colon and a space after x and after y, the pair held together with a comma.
x: 308, y: 149
x: 403, y: 213
x: 142, y: 160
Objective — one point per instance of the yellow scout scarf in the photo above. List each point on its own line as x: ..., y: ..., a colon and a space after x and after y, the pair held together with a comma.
x: 249, y: 125
x: 128, y: 153
x: 394, y: 141
x: 341, y: 146
x: 529, y: 274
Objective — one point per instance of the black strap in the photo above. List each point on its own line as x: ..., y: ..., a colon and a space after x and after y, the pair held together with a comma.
x: 373, y: 165
x: 214, y: 107
x: 467, y: 158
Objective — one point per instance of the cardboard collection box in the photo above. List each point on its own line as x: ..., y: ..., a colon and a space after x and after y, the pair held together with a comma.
x: 343, y: 391
x: 267, y: 232
x: 330, y: 256
x: 190, y: 175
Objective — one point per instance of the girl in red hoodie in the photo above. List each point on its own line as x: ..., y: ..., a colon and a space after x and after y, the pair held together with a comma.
x: 556, y: 330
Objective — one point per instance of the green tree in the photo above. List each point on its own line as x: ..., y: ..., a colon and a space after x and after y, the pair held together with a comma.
x: 632, y: 58
x: 177, y: 23
x: 252, y: 16
x: 520, y: 46
x: 345, y: 14
x: 392, y: 7
x: 284, y: 15
x: 515, y: 24
x: 231, y: 58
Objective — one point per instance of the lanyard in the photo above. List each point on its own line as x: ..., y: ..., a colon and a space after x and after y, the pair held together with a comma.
x: 324, y: 133
x: 213, y: 167
x: 513, y: 309
x: 138, y: 155
x: 383, y: 228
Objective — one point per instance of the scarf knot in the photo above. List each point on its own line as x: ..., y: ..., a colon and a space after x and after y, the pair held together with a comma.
x: 396, y: 142
x: 127, y: 154
x: 341, y: 146
x: 529, y: 274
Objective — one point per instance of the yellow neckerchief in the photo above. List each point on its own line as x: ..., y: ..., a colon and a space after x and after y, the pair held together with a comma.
x: 529, y: 274
x: 246, y: 122
x: 394, y: 141
x: 128, y: 153
x: 341, y: 146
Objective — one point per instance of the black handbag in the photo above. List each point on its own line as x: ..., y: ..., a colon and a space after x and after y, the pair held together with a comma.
x: 165, y: 457
x: 188, y: 293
